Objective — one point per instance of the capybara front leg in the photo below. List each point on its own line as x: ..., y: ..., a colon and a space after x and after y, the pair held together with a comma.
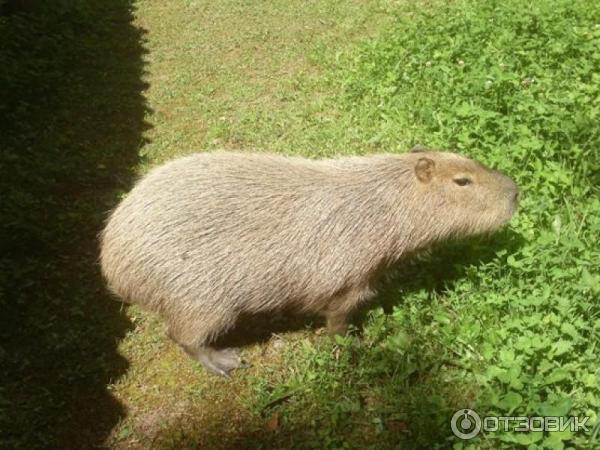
x: 341, y: 308
x: 337, y: 324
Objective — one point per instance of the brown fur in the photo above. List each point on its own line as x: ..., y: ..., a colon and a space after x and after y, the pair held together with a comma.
x: 205, y: 238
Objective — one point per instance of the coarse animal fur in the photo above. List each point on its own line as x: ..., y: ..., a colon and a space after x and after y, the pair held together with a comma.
x: 206, y: 238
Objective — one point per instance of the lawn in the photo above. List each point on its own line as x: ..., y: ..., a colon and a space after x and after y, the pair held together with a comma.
x: 95, y: 93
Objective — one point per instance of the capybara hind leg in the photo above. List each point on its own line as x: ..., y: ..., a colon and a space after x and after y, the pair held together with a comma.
x: 219, y: 361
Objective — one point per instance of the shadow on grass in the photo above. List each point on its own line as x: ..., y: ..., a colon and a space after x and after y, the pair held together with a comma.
x: 71, y: 123
x: 439, y: 270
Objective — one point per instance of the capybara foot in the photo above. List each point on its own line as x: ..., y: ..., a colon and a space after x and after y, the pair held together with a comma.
x: 220, y: 362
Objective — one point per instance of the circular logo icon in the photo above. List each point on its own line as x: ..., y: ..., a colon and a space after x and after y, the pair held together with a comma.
x: 465, y: 424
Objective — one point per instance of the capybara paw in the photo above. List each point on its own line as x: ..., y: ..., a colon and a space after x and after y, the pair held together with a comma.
x: 229, y: 359
x: 221, y: 362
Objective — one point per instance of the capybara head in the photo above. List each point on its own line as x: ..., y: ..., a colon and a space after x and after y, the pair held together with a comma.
x: 464, y: 196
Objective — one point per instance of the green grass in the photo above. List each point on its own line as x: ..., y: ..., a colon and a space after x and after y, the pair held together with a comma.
x: 507, y: 325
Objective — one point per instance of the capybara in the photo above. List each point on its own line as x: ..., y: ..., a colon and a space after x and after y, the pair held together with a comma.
x: 205, y: 238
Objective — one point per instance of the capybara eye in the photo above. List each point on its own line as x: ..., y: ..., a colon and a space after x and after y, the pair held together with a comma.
x: 462, y: 181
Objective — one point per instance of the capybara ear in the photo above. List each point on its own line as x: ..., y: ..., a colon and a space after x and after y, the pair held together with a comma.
x: 424, y: 169
x: 418, y: 149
